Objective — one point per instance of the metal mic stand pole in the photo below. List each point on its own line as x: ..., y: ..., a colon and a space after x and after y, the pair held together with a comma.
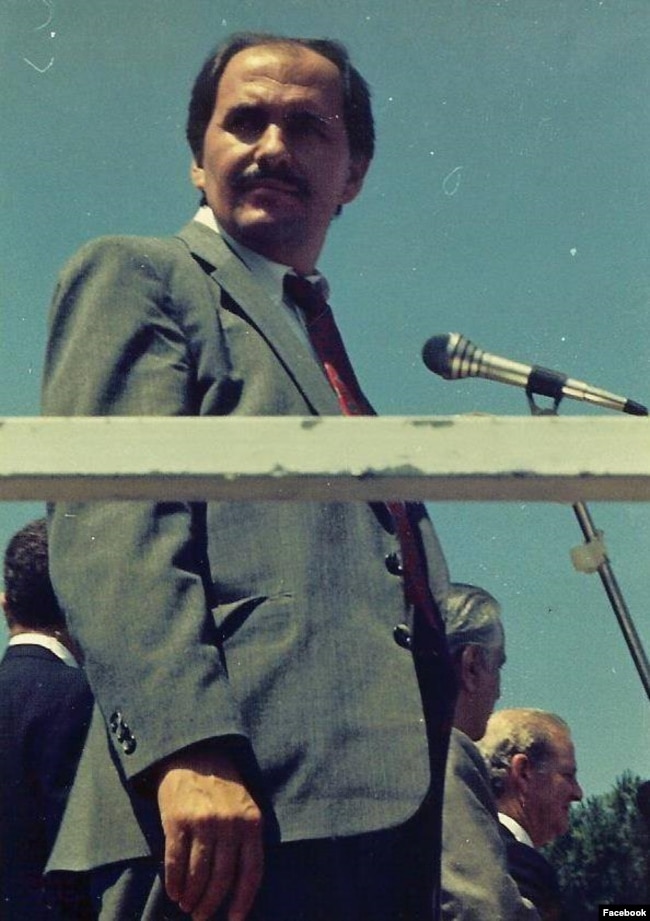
x: 615, y: 596
x: 593, y: 540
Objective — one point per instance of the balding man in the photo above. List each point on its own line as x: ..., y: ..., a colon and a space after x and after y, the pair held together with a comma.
x: 532, y: 765
x: 272, y: 676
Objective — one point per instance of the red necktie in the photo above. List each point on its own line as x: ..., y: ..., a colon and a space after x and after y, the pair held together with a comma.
x: 328, y: 346
x: 326, y: 340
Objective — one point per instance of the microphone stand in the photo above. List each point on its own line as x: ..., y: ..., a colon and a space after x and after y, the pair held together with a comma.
x: 603, y: 567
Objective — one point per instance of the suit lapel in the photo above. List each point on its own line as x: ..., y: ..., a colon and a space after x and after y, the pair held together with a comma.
x: 234, y: 277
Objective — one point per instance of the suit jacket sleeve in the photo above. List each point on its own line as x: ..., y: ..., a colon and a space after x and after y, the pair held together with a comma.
x: 476, y: 885
x: 132, y: 576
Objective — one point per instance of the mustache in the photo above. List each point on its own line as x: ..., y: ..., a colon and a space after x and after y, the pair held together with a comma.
x: 253, y: 175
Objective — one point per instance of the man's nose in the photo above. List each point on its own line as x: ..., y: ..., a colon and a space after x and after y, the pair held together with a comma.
x: 272, y: 144
x: 577, y: 791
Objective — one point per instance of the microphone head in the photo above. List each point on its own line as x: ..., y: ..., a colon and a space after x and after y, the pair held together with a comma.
x: 436, y: 354
x: 452, y: 356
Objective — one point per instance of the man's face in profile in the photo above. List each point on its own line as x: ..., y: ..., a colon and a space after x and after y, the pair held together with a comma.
x: 553, y: 787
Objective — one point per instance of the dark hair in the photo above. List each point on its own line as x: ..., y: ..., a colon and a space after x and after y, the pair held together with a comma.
x: 357, y: 111
x: 29, y: 596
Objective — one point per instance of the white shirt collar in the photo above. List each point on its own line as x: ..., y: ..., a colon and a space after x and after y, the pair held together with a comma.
x: 513, y: 826
x: 270, y: 274
x: 47, y: 642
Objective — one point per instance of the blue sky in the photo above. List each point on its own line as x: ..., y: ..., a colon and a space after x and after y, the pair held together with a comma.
x: 508, y: 200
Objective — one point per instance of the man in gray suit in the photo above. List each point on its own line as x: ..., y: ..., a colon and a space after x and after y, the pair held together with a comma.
x: 476, y: 884
x: 272, y: 703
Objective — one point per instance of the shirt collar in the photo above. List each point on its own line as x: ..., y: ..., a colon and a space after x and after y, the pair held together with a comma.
x: 270, y: 273
x: 47, y: 642
x: 513, y: 826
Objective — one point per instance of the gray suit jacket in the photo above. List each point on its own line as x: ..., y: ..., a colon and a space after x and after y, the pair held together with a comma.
x: 269, y: 623
x: 475, y: 883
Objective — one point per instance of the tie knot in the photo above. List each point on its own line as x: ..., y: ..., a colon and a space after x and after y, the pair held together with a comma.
x: 304, y: 294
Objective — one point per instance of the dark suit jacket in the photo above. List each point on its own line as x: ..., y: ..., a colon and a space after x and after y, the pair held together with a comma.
x: 267, y: 622
x: 476, y: 884
x: 45, y: 709
x: 536, y: 878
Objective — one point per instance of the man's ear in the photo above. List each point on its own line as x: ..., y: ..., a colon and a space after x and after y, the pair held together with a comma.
x: 520, y: 768
x: 7, y: 611
x: 471, y: 661
x: 197, y: 175
x: 356, y: 175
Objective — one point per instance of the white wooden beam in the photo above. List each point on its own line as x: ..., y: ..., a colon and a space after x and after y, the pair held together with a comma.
x: 466, y: 458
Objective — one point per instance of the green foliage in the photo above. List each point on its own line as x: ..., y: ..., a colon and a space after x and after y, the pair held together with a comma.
x: 605, y: 856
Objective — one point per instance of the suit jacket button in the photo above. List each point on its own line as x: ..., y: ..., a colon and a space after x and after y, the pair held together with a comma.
x: 402, y: 636
x: 129, y: 745
x: 393, y: 564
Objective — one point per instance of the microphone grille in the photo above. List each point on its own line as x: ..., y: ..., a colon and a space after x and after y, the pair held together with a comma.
x: 452, y: 356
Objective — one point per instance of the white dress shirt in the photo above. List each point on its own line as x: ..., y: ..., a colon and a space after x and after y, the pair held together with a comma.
x: 520, y: 833
x: 269, y: 274
x: 47, y: 642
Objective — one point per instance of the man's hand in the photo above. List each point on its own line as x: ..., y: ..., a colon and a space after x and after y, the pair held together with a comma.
x: 213, y: 835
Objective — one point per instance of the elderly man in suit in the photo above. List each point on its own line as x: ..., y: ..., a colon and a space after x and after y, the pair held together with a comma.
x: 45, y: 707
x: 272, y: 678
x: 532, y: 765
x: 476, y: 884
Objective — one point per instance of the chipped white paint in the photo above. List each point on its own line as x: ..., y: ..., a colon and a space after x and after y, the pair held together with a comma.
x: 435, y: 458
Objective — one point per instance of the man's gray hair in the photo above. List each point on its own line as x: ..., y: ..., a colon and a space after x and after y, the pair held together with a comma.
x: 519, y: 731
x: 472, y: 618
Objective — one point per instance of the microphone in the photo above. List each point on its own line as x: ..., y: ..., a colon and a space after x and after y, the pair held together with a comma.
x: 452, y: 356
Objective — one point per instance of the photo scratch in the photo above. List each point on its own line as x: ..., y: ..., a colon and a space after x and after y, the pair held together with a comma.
x: 49, y: 4
x: 50, y: 16
x: 451, y: 182
x: 40, y: 70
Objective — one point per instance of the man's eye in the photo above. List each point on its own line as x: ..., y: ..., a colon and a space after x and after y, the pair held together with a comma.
x: 246, y: 125
x: 305, y: 124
